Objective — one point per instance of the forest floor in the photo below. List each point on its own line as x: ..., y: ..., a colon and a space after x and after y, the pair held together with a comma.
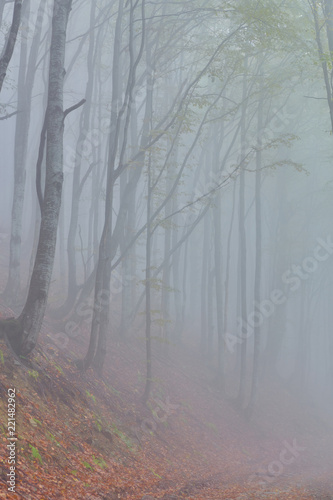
x: 81, y: 437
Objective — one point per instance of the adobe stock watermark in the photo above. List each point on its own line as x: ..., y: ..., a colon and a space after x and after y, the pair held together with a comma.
x: 161, y: 413
x: 92, y: 138
x: 293, y: 278
x: 276, y: 468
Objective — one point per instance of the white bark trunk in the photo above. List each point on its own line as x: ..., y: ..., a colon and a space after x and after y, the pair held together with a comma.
x: 32, y: 315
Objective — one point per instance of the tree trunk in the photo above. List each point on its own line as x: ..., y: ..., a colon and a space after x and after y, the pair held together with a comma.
x: 23, y: 332
x: 204, y: 286
x: 148, y: 289
x: 218, y: 274
x: 25, y: 86
x: 242, y: 246
x: 257, y: 276
x: 112, y: 241
x: 77, y: 186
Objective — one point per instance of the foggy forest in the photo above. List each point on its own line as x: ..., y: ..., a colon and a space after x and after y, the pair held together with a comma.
x: 166, y: 256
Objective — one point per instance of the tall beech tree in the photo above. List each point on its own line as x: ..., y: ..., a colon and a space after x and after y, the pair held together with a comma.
x: 23, y: 332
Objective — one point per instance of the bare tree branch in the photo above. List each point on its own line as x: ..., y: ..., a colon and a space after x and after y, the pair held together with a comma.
x: 11, y: 40
x: 8, y: 116
x: 73, y: 108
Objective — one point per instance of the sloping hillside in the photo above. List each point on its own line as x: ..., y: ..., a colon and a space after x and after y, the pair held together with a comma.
x: 82, y: 437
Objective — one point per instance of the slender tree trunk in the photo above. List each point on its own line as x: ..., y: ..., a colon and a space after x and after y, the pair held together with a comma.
x: 177, y: 330
x: 12, y: 290
x: 227, y: 271
x: 257, y: 275
x: 23, y: 333
x: 242, y: 246
x: 26, y: 79
x: 281, y: 262
x: 104, y: 265
x: 328, y: 11
x: 166, y: 276
x: 184, y: 295
x: 2, y: 7
x: 110, y: 241
x: 218, y: 277
x: 148, y: 289
x: 129, y: 261
x: 62, y: 248
x: 301, y: 363
x: 122, y: 127
x: 77, y: 186
x: 204, y: 286
x: 210, y: 313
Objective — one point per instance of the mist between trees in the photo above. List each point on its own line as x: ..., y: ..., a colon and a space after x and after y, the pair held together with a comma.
x: 165, y: 166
